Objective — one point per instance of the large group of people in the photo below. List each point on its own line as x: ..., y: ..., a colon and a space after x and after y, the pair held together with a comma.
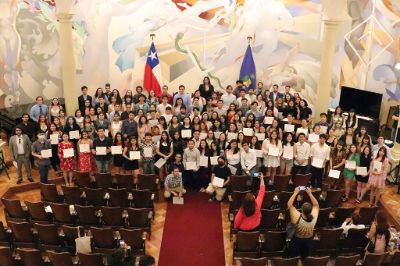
x: 204, y: 135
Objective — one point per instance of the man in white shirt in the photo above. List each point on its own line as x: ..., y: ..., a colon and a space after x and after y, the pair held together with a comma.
x: 381, y: 143
x: 163, y: 105
x: 190, y: 176
x: 228, y: 97
x: 196, y: 138
x: 301, y: 153
x: 242, y: 95
x: 220, y: 110
x: 248, y: 159
x: 319, y: 153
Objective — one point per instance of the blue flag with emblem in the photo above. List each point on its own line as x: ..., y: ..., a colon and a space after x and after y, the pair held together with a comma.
x: 248, y: 69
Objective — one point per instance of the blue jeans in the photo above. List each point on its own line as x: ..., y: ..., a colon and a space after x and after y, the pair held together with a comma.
x: 103, y: 166
x: 44, y: 173
x: 148, y: 167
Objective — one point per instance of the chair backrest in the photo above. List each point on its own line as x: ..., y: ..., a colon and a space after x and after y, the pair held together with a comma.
x: 13, y: 208
x: 237, y: 197
x: 347, y: 260
x: 95, y: 196
x: 103, y: 237
x: 395, y: 259
x: 21, y: 231
x: 367, y: 215
x: 82, y: 179
x: 285, y: 261
x: 269, y: 219
x: 252, y: 262
x: 133, y: 238
x: 112, y: 216
x: 3, y: 233
x: 281, y: 182
x: 341, y: 213
x: 323, y: 217
x: 6, y: 258
x: 274, y: 241
x: 316, y: 195
x: 61, y: 213
x: 86, y: 215
x: 247, y: 241
x: 139, y: 217
x: 36, y: 211
x: 72, y: 195
x: 71, y: 233
x: 284, y: 196
x: 268, y: 200
x: 356, y: 238
x: 60, y: 259
x: 374, y: 259
x: 90, y: 259
x: 48, y: 234
x: 333, y: 197
x: 103, y: 180
x: 118, y: 197
x: 301, y: 180
x: 142, y: 198
x: 316, y: 261
x: 31, y: 256
x: 239, y: 182
x: 328, y: 238
x: 124, y: 181
x: 149, y: 182
x: 49, y: 192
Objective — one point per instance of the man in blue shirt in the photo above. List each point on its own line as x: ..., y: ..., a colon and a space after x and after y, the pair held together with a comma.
x: 184, y: 96
x: 38, y: 109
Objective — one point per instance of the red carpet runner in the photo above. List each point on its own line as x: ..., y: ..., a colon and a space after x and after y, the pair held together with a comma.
x: 193, y: 233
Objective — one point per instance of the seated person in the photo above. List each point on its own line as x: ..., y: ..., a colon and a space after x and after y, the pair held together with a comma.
x: 173, y: 184
x: 352, y: 222
x: 221, y: 171
x: 249, y: 215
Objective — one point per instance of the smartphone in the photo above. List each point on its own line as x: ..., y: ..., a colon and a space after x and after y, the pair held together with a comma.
x: 302, y: 188
x: 256, y: 174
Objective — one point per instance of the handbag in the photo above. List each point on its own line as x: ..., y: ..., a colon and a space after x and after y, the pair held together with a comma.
x: 291, y: 229
x: 83, y: 244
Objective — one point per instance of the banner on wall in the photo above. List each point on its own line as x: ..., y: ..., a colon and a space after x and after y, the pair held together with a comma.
x: 248, y: 69
x: 152, y: 71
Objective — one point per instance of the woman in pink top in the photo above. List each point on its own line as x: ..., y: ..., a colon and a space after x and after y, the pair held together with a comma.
x: 249, y: 215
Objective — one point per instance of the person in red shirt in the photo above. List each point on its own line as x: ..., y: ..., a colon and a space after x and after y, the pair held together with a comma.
x: 165, y: 93
x: 249, y: 215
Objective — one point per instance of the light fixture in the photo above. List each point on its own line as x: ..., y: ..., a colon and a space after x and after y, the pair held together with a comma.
x: 397, y: 66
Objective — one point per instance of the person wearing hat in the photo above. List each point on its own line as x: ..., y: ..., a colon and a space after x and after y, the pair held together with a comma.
x: 220, y: 171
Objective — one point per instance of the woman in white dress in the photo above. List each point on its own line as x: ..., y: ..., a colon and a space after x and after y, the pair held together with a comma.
x: 116, y: 125
x: 272, y: 150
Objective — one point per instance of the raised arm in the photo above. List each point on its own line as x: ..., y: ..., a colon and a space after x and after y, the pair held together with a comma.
x: 293, y: 197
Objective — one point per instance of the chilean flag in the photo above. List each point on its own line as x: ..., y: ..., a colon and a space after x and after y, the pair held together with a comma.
x: 152, y: 72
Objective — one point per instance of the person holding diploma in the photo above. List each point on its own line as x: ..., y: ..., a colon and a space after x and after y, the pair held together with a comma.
x: 191, y: 161
x: 223, y: 172
x: 131, y: 165
x: 319, y: 153
x: 362, y: 180
x: 287, y: 158
x: 349, y: 174
x: 377, y: 176
x: 67, y: 164
x: 173, y: 184
x: 248, y: 160
x: 301, y: 156
x: 42, y: 144
x: 272, y: 150
x: 56, y: 134
x: 102, y: 159
x: 117, y: 158
x: 338, y: 159
x: 164, y: 151
x: 249, y: 215
x: 148, y: 148
x: 86, y: 161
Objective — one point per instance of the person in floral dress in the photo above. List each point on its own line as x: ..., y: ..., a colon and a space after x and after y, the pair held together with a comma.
x: 67, y: 165
x: 86, y: 161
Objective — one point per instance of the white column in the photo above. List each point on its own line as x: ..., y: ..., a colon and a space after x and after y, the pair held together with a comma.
x: 68, y: 62
x: 327, y: 55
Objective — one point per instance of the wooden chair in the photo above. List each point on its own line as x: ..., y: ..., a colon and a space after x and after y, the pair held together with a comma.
x: 347, y: 260
x: 83, y: 179
x: 281, y: 182
x: 374, y: 259
x: 112, y: 216
x: 4, y: 236
x: 135, y: 238
x: 301, y: 180
x: 31, y: 256
x: 323, y: 217
x: 124, y: 181
x: 328, y: 241
x: 268, y: 201
x: 95, y: 196
x: 341, y: 213
x: 13, y: 210
x: 333, y: 198
x: 367, y: 215
x: 252, y: 262
x: 240, y: 183
x: 269, y: 220
x: 274, y: 244
x: 48, y: 236
x: 60, y: 259
x: 118, y: 197
x: 306, y: 198
x: 149, y: 182
x: 49, y: 193
x: 395, y: 259
x: 22, y: 235
x: 104, y: 180
x: 37, y: 212
x: 285, y: 261
x: 103, y: 240
x: 91, y: 259
x: 284, y: 196
x: 142, y: 199
x: 62, y: 214
x: 316, y: 261
x: 247, y: 244
x: 73, y: 195
x: 140, y: 218
x: 87, y: 215
x: 236, y: 199
x: 70, y: 233
x: 356, y: 240
x: 6, y: 258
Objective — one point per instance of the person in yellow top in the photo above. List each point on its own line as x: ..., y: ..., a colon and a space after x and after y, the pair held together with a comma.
x: 305, y: 222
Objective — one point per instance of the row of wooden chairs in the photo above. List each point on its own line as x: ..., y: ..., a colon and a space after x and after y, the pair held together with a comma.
x: 120, y: 197
x: 329, y: 243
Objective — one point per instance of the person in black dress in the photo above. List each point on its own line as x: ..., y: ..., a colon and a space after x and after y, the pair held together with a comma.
x: 164, y: 150
x: 206, y: 89
x: 131, y: 165
x: 362, y: 180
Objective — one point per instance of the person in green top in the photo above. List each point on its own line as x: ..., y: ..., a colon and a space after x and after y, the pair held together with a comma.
x: 349, y: 174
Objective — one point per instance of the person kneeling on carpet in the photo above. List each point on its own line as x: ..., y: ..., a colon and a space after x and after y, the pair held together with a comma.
x: 173, y: 184
x: 223, y: 172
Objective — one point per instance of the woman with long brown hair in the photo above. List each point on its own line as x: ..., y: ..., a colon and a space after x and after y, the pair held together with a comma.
x: 379, y: 234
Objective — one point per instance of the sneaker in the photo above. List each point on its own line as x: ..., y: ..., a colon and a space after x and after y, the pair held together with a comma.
x: 19, y: 181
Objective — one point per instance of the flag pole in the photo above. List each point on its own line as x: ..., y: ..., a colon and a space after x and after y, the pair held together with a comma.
x: 152, y: 35
x: 249, y: 38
